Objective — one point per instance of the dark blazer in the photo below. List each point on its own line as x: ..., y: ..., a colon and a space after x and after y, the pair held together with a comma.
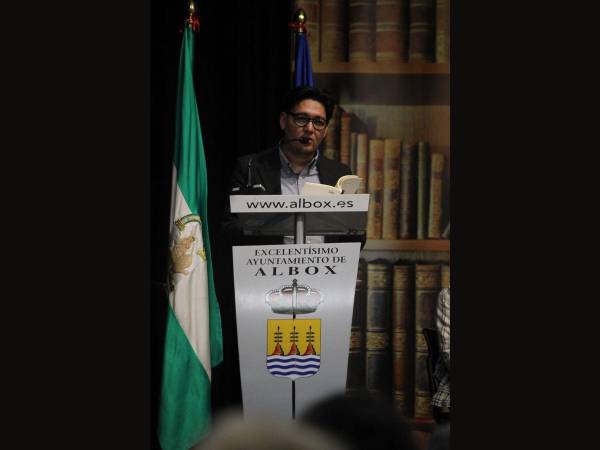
x: 265, y: 169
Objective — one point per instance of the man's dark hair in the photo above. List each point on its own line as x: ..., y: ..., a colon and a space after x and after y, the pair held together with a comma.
x: 296, y: 95
x: 362, y: 421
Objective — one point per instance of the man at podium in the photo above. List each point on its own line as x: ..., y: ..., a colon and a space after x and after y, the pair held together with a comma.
x: 284, y: 169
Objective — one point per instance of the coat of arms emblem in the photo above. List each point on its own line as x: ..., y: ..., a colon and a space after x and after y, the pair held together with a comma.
x: 293, y: 347
x: 187, y: 247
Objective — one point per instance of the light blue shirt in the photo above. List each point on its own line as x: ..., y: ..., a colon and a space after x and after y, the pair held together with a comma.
x: 292, y: 184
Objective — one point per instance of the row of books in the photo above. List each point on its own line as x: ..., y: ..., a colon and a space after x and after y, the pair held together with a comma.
x: 388, y: 351
x: 378, y: 30
x: 405, y: 183
x: 405, y: 179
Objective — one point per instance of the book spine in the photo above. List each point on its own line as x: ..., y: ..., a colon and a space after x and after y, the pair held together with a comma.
x: 408, y: 191
x: 391, y: 32
x: 391, y: 188
x: 353, y: 152
x: 356, y: 357
x: 445, y: 276
x: 427, y: 288
x: 435, y: 196
x: 442, y: 31
x: 312, y: 8
x: 362, y: 161
x: 375, y: 214
x: 331, y: 143
x: 377, y: 365
x: 361, y: 32
x: 422, y: 396
x: 334, y: 36
x: 421, y: 31
x: 422, y: 189
x: 345, y: 122
x: 402, y: 338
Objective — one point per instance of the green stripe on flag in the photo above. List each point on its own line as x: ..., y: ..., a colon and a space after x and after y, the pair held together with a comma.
x: 185, y: 404
x: 189, y: 149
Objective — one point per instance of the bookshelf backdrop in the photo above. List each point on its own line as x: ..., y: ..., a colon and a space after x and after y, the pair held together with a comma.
x: 386, y: 62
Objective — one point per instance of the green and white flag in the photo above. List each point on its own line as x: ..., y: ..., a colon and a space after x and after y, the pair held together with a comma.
x: 193, y: 341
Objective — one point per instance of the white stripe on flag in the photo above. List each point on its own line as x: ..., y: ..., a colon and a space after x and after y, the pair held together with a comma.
x: 189, y: 299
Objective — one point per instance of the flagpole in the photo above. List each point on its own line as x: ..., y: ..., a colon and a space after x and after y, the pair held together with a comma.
x: 193, y: 342
x: 299, y: 28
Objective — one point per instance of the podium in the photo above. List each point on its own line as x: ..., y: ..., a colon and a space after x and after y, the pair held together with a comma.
x: 294, y: 303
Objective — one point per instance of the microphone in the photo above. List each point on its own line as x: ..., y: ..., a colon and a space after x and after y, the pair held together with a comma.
x: 303, y: 140
x: 249, y: 184
x: 249, y: 189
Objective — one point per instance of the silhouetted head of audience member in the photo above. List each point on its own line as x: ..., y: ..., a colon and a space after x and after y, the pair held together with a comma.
x: 233, y: 432
x: 440, y: 438
x: 362, y: 421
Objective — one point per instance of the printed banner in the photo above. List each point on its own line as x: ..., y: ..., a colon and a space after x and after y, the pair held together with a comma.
x: 294, y: 313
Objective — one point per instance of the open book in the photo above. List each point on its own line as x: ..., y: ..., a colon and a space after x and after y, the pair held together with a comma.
x: 348, y: 184
x: 446, y: 233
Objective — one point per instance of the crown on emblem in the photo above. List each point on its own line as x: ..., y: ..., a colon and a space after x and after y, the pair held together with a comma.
x: 294, y: 299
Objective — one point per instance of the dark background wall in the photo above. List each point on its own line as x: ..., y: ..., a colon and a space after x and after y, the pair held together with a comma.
x: 241, y: 70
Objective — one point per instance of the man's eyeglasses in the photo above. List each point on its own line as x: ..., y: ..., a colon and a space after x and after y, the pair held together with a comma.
x: 302, y: 120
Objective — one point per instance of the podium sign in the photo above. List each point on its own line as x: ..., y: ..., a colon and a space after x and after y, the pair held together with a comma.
x: 273, y: 215
x: 298, y: 203
x: 294, y: 308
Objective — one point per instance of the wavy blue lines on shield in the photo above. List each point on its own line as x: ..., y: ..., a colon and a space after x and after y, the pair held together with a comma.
x: 293, y: 366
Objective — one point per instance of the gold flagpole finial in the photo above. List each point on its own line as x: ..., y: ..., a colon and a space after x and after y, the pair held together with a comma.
x: 299, y: 21
x: 193, y: 18
x: 300, y: 16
